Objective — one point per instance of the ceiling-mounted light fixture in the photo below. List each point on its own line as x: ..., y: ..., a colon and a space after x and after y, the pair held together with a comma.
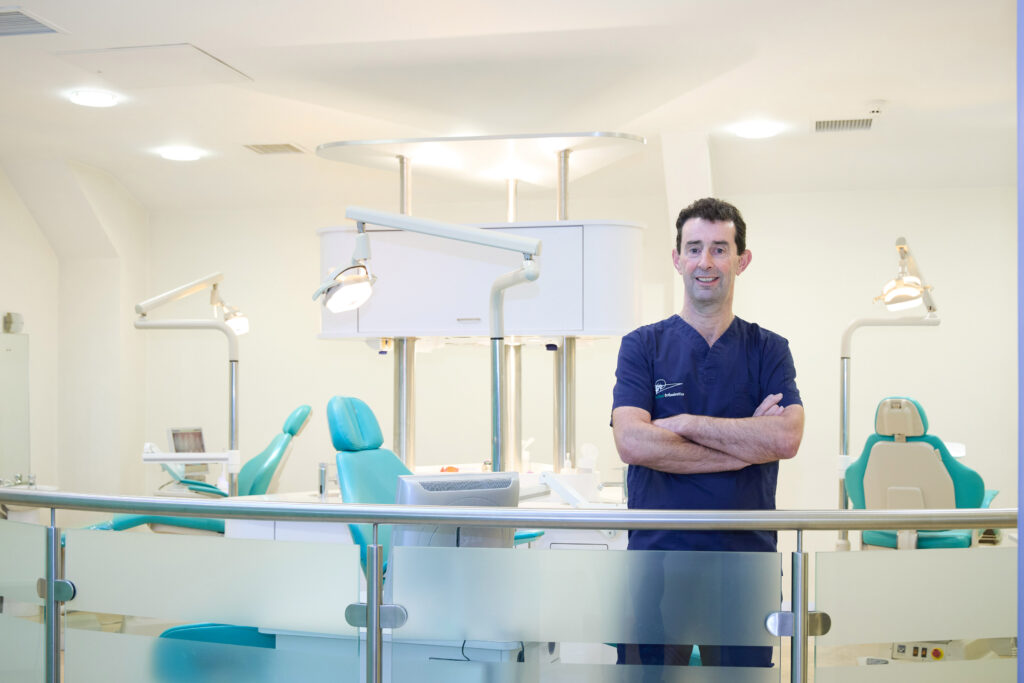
x: 181, y: 153
x: 756, y: 128
x: 94, y: 97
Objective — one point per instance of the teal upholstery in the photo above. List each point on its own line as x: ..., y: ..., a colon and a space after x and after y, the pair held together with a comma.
x: 968, y: 487
x: 368, y: 473
x: 254, y: 478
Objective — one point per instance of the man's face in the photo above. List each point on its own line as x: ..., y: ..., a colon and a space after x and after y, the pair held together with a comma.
x: 708, y: 262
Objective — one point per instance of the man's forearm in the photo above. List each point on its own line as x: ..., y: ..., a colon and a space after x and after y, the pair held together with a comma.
x: 753, y: 440
x: 660, y: 449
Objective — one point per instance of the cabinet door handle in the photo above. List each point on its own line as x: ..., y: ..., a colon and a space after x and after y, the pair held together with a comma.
x: 467, y: 320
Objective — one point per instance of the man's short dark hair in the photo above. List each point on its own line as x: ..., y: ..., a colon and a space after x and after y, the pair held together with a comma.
x: 711, y: 209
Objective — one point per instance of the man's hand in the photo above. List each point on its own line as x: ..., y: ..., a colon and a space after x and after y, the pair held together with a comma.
x: 769, y: 406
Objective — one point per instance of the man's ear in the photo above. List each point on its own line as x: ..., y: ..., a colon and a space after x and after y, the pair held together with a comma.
x: 745, y: 259
x: 675, y: 260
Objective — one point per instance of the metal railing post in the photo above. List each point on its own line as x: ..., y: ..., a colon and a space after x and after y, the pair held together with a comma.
x: 50, y: 617
x: 374, y: 589
x: 798, y: 643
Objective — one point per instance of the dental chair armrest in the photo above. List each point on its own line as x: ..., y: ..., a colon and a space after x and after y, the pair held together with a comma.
x: 202, y: 487
x: 527, y: 536
x: 989, y: 495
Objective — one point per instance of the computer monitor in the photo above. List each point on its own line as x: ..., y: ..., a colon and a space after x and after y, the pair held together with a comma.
x: 498, y: 489
x: 186, y: 439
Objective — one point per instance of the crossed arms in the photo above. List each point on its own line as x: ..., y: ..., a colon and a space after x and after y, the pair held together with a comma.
x: 695, y: 444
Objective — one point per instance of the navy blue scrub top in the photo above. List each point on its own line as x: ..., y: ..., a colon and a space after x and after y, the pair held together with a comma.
x: 668, y: 368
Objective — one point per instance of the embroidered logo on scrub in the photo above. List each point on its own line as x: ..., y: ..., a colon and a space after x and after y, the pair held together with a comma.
x: 661, y: 386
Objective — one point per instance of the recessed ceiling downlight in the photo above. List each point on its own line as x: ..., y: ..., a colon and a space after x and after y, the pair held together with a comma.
x: 91, y: 97
x: 181, y: 153
x: 757, y: 128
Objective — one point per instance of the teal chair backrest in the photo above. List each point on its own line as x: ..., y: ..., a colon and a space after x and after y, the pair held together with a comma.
x: 258, y: 473
x: 367, y: 473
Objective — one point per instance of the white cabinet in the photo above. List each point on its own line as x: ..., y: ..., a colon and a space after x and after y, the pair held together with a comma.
x: 427, y: 286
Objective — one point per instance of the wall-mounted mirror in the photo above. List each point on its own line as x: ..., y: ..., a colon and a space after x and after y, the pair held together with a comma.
x: 14, y: 427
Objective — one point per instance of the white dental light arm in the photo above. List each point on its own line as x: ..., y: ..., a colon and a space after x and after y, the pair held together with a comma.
x: 144, y: 307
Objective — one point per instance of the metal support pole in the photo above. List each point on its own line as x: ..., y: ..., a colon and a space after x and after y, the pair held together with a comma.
x: 514, y: 401
x: 374, y: 590
x: 405, y: 400
x: 565, y: 405
x: 562, y: 206
x: 50, y: 606
x: 404, y: 185
x: 844, y: 441
x: 513, y: 200
x: 499, y: 412
x: 798, y: 643
x: 233, y: 425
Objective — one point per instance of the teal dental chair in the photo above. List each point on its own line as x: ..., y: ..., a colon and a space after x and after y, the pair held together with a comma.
x: 904, y: 467
x: 368, y: 473
x: 256, y: 477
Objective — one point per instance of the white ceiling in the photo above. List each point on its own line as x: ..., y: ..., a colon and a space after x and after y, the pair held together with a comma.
x: 223, y: 74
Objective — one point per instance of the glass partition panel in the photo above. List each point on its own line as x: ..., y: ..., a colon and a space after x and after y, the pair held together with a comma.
x: 22, y: 561
x: 582, y: 610
x: 279, y: 585
x: 22, y: 635
x: 246, y: 655
x: 928, y: 615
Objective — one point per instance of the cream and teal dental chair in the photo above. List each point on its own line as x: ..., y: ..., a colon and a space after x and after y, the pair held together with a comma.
x: 903, y: 467
x: 256, y: 477
x: 368, y: 473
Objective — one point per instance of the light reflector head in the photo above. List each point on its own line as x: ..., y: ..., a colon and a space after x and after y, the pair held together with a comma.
x: 348, y: 289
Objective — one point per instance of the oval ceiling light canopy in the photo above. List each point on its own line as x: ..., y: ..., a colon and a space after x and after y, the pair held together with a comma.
x: 181, y: 153
x: 93, y: 97
x: 756, y: 128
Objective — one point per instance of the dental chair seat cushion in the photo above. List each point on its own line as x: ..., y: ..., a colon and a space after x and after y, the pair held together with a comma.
x: 122, y: 522
x: 953, y: 538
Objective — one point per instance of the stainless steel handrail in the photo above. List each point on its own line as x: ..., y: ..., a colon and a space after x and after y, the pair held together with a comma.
x: 782, y: 520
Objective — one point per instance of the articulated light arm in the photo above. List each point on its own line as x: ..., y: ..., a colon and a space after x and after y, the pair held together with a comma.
x: 338, y: 294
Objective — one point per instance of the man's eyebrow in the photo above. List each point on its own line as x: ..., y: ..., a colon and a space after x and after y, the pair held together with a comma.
x: 691, y: 242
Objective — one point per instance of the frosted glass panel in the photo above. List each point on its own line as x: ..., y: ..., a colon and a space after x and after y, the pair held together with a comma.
x: 878, y: 597
x: 21, y: 650
x: 987, y: 670
x: 22, y: 560
x: 274, y: 584
x: 98, y: 657
x: 715, y: 598
x: 438, y: 671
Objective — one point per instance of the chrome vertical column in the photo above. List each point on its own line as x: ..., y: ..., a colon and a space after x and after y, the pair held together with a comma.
x: 50, y: 606
x: 499, y: 382
x: 565, y: 405
x: 798, y: 643
x: 374, y: 591
x: 233, y: 425
x: 514, y: 401
x: 404, y: 443
x: 562, y: 206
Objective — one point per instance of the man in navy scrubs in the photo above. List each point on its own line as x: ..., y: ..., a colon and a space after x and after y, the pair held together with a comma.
x: 705, y: 405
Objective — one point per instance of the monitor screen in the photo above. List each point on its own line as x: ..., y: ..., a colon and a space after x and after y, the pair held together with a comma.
x: 186, y: 439
x: 498, y: 489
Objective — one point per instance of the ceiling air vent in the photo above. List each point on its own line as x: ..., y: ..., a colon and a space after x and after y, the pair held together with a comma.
x: 15, y: 23
x: 839, y: 125
x: 276, y: 148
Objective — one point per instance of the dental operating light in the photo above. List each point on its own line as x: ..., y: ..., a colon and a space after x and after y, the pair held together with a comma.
x: 349, y: 287
x: 907, y: 289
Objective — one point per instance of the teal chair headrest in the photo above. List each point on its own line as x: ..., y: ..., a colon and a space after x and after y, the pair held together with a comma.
x: 353, y: 425
x: 297, y: 420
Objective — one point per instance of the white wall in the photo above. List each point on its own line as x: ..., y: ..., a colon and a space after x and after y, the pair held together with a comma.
x: 819, y: 258
x: 28, y: 285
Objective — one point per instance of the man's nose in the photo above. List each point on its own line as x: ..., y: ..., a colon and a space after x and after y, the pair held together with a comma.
x: 705, y: 259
